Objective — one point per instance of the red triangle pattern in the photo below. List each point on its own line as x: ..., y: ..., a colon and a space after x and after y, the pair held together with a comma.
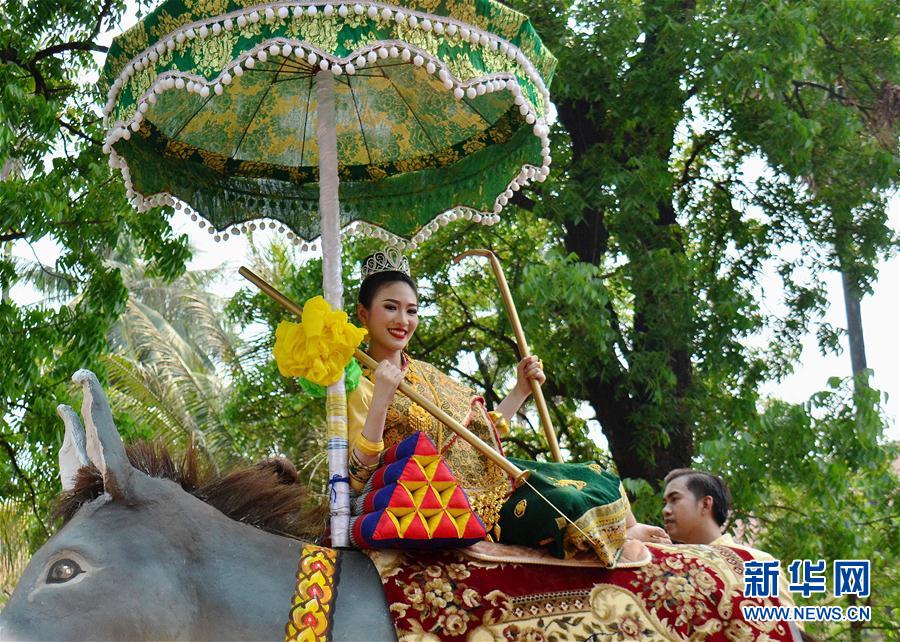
x: 428, y: 503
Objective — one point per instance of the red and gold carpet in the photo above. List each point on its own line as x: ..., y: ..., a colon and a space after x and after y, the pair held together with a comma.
x: 687, y: 593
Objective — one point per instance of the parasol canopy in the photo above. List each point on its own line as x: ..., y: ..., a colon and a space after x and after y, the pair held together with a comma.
x: 438, y: 106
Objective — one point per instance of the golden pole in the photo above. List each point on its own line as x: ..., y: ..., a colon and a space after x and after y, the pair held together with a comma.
x: 518, y: 476
x: 513, y: 315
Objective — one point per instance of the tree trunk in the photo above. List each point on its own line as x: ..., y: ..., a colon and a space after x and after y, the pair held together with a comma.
x: 8, y: 168
x: 642, y: 448
x: 854, y: 326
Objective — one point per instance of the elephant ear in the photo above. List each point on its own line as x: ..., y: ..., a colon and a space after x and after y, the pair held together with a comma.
x: 104, y: 445
x: 73, y: 453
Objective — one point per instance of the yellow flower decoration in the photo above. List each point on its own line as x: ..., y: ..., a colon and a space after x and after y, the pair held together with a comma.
x: 320, y: 346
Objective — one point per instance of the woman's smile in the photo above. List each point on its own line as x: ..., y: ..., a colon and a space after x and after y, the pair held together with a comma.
x: 398, y: 333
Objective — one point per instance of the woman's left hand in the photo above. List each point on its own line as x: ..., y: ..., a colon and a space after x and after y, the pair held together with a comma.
x: 529, y: 369
x: 648, y: 533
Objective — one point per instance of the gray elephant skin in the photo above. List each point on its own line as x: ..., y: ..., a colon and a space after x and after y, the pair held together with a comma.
x: 146, y: 560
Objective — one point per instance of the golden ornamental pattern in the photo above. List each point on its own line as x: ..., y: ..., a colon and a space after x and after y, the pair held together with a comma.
x: 178, y: 149
x: 134, y: 40
x: 448, y: 597
x: 166, y: 24
x: 208, y: 7
x: 376, y: 173
x: 213, y: 161
x: 357, y: 22
x: 463, y: 10
x: 410, y: 164
x: 462, y: 68
x: 503, y: 21
x: 251, y: 30
x: 429, y: 6
x: 211, y: 55
x: 321, y: 31
x: 605, y: 530
x: 312, y: 604
x: 142, y: 81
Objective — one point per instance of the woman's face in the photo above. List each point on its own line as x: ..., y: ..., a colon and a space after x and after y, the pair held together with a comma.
x: 392, y: 318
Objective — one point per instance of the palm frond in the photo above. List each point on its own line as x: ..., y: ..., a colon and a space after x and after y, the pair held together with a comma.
x: 14, y: 553
x: 45, y: 279
x: 140, y: 391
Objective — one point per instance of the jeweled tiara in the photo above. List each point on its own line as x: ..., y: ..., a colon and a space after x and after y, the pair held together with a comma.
x: 388, y: 260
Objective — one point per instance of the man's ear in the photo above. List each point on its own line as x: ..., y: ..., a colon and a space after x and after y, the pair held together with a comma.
x: 707, y: 504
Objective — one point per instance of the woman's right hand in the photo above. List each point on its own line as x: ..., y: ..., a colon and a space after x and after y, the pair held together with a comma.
x: 387, y: 380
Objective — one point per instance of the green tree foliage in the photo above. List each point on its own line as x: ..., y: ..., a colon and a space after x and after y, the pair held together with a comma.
x: 661, y: 105
x: 637, y: 265
x: 825, y: 489
x: 170, y: 356
x: 271, y: 414
x: 57, y: 186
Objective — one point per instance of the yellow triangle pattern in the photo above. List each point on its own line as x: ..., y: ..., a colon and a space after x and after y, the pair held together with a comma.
x: 418, y: 491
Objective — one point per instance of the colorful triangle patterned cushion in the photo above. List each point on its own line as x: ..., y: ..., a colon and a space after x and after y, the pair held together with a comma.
x: 417, y: 443
x: 414, y: 501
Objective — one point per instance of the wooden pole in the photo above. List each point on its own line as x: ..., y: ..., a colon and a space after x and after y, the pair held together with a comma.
x: 513, y: 315
x: 518, y: 475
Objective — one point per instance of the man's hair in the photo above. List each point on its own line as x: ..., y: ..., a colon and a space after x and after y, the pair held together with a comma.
x: 701, y: 484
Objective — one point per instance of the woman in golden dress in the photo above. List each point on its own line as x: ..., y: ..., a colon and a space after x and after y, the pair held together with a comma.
x: 379, y: 417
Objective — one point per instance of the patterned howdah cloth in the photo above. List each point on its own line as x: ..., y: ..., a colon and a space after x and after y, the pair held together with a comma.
x: 687, y: 593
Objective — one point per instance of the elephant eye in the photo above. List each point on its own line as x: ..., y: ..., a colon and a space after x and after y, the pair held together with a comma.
x: 62, y: 571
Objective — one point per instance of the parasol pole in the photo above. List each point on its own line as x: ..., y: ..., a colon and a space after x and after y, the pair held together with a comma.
x: 333, y: 286
x: 525, y: 351
x: 519, y: 476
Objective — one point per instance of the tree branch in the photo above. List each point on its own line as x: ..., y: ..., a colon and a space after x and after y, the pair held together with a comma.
x: 789, y: 509
x: 80, y: 45
x: 463, y: 375
x: 104, y: 13
x: 524, y: 445
x: 520, y: 200
x: 78, y: 132
x: 702, y: 143
x: 10, y: 55
x: 11, y: 453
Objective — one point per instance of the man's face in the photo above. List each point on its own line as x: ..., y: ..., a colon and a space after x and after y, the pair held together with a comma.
x: 683, y: 513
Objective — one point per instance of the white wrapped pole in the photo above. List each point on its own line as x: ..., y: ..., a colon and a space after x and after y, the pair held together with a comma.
x: 336, y: 399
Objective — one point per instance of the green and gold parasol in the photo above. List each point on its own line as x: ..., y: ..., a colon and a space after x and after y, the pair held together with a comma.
x: 394, y: 118
x: 439, y: 110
